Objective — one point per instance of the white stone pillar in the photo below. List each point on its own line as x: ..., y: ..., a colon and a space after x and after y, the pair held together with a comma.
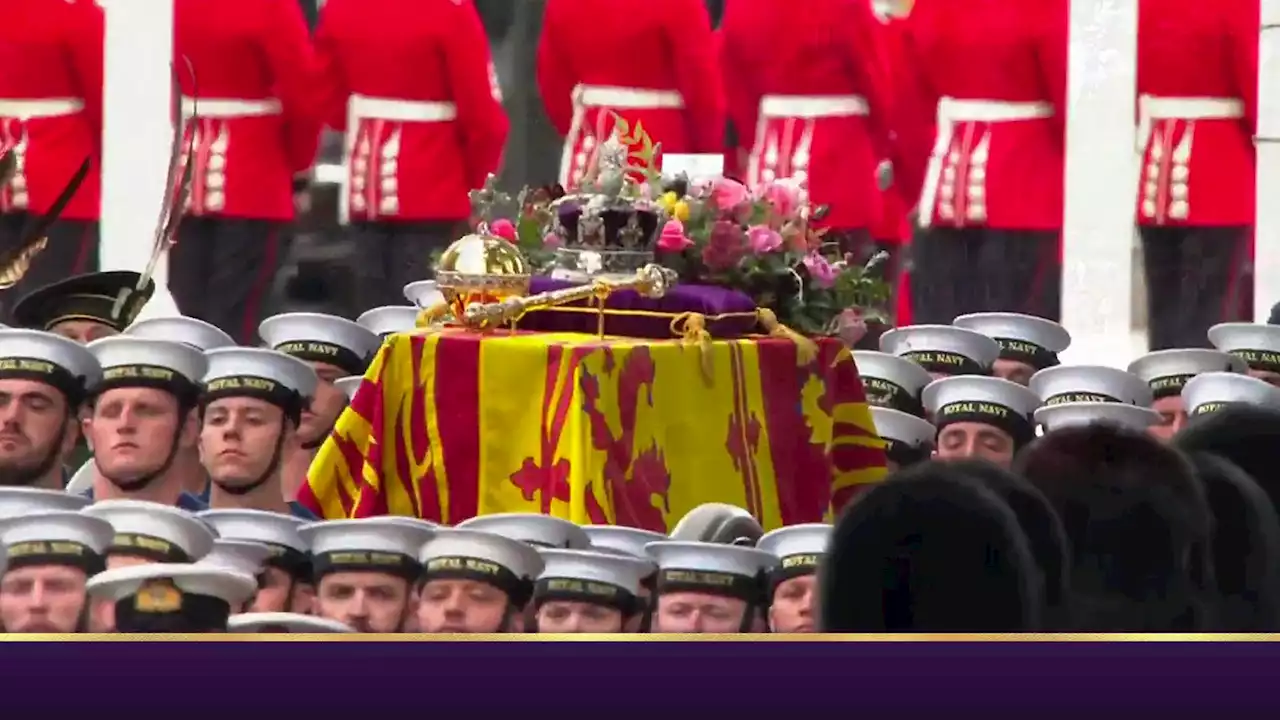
x: 1101, y: 172
x: 136, y: 134
x: 1266, y: 263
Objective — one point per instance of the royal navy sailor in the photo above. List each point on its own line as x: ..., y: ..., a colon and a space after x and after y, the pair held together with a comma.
x: 252, y: 403
x: 364, y: 571
x: 51, y: 556
x: 800, y: 549
x: 334, y: 347
x: 891, y: 381
x: 908, y: 439
x: 390, y: 319
x: 1028, y: 343
x: 475, y: 582
x: 1089, y: 383
x: 171, y: 598
x: 980, y: 417
x: 1257, y: 344
x: 284, y: 585
x: 1167, y: 372
x: 1213, y: 391
x: 1094, y: 412
x: 582, y: 591
x: 141, y: 417
x: 281, y: 622
x: 630, y: 541
x: 710, y: 587
x: 943, y: 350
x: 541, y: 531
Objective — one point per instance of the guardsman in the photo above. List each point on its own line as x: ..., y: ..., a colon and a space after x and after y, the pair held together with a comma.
x: 171, y: 598
x: 909, y: 439
x: 141, y: 417
x: 390, y: 319
x: 1028, y: 344
x: 1089, y: 383
x: 1257, y: 344
x: 424, y: 126
x: 85, y: 307
x: 44, y: 379
x: 251, y: 116
x: 1078, y: 413
x: 1212, y: 392
x: 819, y: 106
x: 51, y: 555
x: 51, y: 118
x: 710, y: 587
x: 284, y: 585
x: 334, y: 347
x: 364, y: 571
x: 281, y: 622
x: 793, y: 593
x: 1167, y: 372
x: 475, y: 582
x: 630, y: 541
x: 667, y: 80
x: 943, y: 350
x: 980, y: 417
x: 252, y: 404
x: 891, y: 381
x: 990, y: 203
x: 541, y: 531
x: 581, y: 591
x: 1197, y: 117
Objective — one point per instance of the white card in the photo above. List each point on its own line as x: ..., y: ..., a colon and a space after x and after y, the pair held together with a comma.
x: 698, y: 166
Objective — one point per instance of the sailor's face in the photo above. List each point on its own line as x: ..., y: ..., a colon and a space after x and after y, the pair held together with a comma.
x: 277, y: 592
x: 326, y: 406
x: 562, y: 616
x: 1013, y: 371
x: 132, y: 431
x: 83, y: 331
x: 688, y: 612
x: 963, y: 440
x: 1270, y: 376
x: 33, y: 423
x: 367, y: 602
x: 792, y: 608
x: 461, y: 606
x: 1173, y: 416
x: 240, y: 438
x: 42, y: 599
x: 633, y: 623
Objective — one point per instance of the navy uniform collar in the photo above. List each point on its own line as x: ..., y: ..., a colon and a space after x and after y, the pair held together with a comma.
x: 299, y: 510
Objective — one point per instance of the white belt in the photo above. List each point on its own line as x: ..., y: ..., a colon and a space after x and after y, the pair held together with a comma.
x: 1151, y: 109
x: 361, y: 107
x: 44, y: 108
x: 952, y: 111
x: 813, y: 106
x: 228, y: 108
x: 616, y: 98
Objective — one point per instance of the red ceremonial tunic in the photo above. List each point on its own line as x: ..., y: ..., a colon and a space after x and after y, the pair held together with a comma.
x: 653, y: 64
x: 892, y: 226
x: 815, y: 97
x: 250, y: 107
x: 412, y: 85
x: 51, y: 102
x: 1197, y: 111
x: 996, y: 72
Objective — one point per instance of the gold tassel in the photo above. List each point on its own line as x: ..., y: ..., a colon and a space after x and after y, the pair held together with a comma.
x: 17, y: 266
x: 692, y: 329
x: 806, y: 349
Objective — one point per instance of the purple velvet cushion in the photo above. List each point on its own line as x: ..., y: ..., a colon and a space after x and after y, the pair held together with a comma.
x: 729, y: 314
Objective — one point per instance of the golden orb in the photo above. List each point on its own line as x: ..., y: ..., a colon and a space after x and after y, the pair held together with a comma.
x: 481, y: 268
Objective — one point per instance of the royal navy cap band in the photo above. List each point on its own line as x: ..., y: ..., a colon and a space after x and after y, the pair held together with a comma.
x: 1018, y: 426
x: 950, y: 363
x: 325, y: 352
x: 402, y: 566
x: 457, y: 567
x: 44, y: 371
x: 266, y: 389
x: 1079, y: 397
x: 148, y: 547
x: 1026, y: 352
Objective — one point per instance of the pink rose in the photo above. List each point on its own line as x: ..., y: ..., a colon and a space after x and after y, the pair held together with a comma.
x: 551, y: 241
x: 784, y: 196
x: 764, y: 239
x: 673, y: 238
x: 725, y: 248
x: 823, y: 275
x: 504, y: 229
x: 728, y: 194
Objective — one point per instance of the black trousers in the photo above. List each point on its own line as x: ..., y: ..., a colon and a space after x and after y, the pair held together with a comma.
x: 72, y: 250
x: 391, y: 255
x: 955, y: 271
x: 1196, y: 278
x: 221, y: 270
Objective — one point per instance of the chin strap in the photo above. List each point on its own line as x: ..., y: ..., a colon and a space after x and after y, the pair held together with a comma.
x: 272, y: 468
x: 144, y: 480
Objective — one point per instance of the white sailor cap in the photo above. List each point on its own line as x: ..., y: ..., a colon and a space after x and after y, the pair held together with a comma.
x: 187, y: 330
x: 153, y: 530
x: 138, y: 362
x: 1023, y: 338
x: 284, y: 622
x: 316, y: 337
x: 903, y: 432
x: 799, y: 548
x: 1257, y: 344
x: 629, y: 540
x: 482, y: 556
x: 390, y: 319
x: 943, y: 349
x: 349, y: 385
x: 373, y: 544
x: 891, y: 381
x: 52, y: 359
x: 991, y: 401
x: 256, y: 372
x: 1167, y: 371
x: 1089, y: 383
x: 1076, y: 414
x: 275, y: 530
x: 423, y: 293
x: 240, y: 555
x: 712, y: 568
x: 18, y: 501
x: 1214, y: 391
x: 232, y: 587
x: 577, y: 573
x: 539, y: 530
x: 56, y: 538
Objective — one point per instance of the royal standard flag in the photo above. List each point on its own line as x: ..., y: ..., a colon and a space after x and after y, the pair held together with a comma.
x: 451, y: 425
